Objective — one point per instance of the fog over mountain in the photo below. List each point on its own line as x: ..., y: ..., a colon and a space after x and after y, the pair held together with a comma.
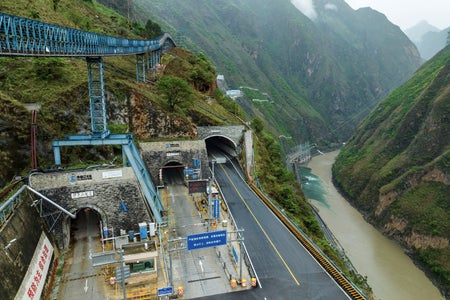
x: 417, y: 32
x: 322, y: 65
x: 428, y: 39
x: 306, y: 7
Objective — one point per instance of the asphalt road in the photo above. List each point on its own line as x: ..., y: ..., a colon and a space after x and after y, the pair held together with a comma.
x: 284, y: 267
x: 80, y: 277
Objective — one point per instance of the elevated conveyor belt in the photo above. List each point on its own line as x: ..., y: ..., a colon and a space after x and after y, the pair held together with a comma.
x: 25, y: 37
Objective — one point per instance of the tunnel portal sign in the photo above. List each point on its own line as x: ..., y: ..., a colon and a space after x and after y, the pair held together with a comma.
x: 206, y: 239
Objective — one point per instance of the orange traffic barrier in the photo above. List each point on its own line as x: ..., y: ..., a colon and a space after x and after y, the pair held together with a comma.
x: 180, y: 291
x: 243, y: 282
x: 233, y: 283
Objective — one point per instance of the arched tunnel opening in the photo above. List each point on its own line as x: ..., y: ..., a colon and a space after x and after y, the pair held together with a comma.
x: 220, y: 145
x: 173, y: 173
x: 85, y: 227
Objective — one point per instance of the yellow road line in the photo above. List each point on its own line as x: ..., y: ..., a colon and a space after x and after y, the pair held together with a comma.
x: 260, y: 226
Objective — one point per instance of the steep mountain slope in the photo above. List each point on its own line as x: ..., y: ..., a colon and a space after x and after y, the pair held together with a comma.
x: 58, y: 88
x: 428, y: 39
x: 432, y: 42
x: 396, y: 167
x: 322, y: 75
x: 416, y: 32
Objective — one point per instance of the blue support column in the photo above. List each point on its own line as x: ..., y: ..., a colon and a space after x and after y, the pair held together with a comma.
x: 140, y: 68
x: 97, y: 97
x: 57, y: 155
x: 154, y: 58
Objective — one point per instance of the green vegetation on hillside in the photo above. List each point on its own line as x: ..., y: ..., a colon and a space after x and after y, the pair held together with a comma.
x: 396, y: 166
x: 59, y: 87
x: 323, y: 77
x: 282, y: 186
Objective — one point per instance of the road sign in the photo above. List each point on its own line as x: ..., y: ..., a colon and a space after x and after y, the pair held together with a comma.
x: 197, y: 186
x: 165, y: 291
x: 206, y: 239
x: 220, y: 160
x: 235, y: 255
x: 188, y: 171
x: 126, y: 271
x: 216, y: 208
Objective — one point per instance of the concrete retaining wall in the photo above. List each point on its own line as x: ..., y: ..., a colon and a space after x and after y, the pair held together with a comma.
x: 25, y: 226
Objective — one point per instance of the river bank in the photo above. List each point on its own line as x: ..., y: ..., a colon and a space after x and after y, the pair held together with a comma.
x: 390, y: 272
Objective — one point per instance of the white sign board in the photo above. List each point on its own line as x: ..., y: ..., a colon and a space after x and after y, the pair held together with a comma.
x: 83, y: 194
x: 112, y: 174
x: 34, y: 280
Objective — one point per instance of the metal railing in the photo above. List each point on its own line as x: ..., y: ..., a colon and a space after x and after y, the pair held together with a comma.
x: 24, y: 37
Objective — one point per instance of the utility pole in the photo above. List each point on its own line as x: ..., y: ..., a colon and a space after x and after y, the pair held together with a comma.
x: 211, y: 180
x: 129, y: 20
x: 170, y: 250
x: 122, y: 270
x: 240, y: 239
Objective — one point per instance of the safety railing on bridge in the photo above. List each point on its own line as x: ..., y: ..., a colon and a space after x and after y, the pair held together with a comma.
x: 24, y: 37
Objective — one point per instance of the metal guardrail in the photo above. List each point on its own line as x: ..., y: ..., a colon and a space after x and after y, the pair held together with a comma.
x: 7, y: 208
x: 333, y: 270
x: 25, y: 37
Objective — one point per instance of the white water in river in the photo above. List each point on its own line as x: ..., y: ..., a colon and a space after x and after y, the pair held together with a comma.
x: 391, y: 273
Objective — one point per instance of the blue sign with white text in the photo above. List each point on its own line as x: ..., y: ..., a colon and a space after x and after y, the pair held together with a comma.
x: 207, y: 239
x: 166, y: 291
x: 188, y: 171
x: 216, y: 208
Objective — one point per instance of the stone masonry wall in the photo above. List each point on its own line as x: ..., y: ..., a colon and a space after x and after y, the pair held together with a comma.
x: 100, y: 190
x: 159, y: 154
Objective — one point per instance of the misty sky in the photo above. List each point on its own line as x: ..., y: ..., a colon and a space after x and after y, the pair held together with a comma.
x: 407, y: 13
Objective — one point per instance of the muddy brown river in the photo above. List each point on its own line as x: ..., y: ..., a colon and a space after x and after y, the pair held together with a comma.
x: 390, y: 272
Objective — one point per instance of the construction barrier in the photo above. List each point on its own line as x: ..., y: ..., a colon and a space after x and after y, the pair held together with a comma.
x: 180, y: 291
x: 233, y: 283
x: 253, y: 282
x: 243, y: 282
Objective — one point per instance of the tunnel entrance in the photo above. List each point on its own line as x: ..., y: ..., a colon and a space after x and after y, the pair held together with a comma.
x: 173, y: 173
x: 86, y: 227
x: 220, y: 145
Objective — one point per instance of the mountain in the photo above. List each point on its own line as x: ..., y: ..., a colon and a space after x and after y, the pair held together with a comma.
x: 428, y: 39
x: 322, y: 71
x: 432, y: 42
x: 396, y: 167
x: 58, y: 89
x: 416, y: 32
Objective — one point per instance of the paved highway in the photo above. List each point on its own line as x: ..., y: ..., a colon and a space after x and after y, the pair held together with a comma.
x: 285, y: 269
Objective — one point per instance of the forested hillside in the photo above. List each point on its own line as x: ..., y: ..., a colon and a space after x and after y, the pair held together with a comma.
x: 396, y: 167
x: 58, y: 89
x: 321, y: 74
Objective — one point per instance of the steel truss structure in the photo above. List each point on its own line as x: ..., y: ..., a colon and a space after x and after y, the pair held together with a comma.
x: 24, y: 37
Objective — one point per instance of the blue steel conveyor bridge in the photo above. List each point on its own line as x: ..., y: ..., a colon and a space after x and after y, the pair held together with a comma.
x: 24, y: 37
